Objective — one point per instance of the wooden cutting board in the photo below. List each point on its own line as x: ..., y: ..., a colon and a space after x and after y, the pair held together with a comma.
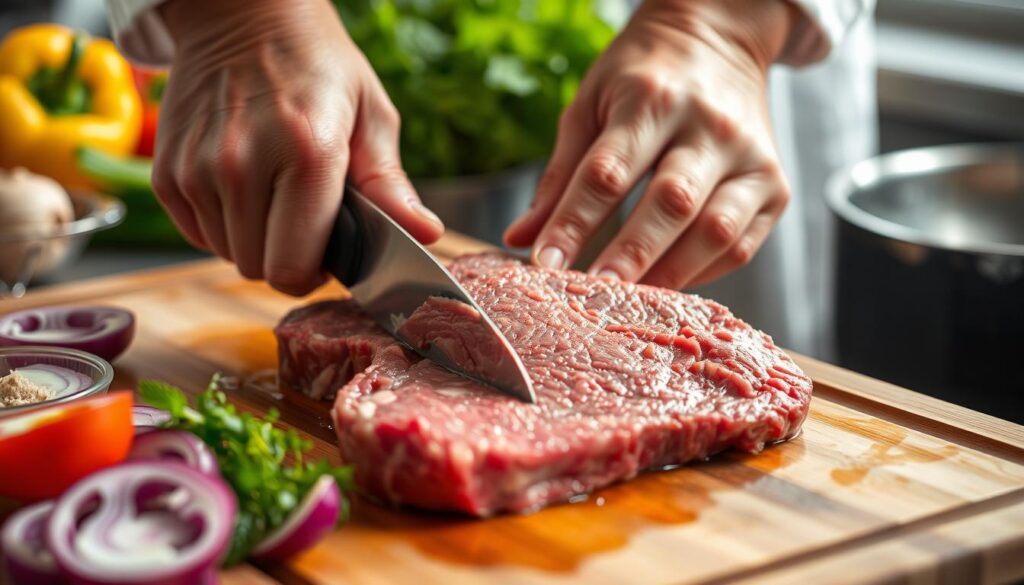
x: 883, y: 484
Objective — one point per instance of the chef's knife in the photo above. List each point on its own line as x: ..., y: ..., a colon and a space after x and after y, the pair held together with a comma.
x: 390, y: 275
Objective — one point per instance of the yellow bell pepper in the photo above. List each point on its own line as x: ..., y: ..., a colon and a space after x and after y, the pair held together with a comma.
x: 60, y: 90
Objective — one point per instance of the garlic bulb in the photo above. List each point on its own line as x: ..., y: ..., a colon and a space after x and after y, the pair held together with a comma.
x: 32, y: 207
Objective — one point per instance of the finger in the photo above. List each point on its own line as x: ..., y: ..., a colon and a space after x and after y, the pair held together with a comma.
x: 244, y: 187
x: 682, y: 182
x: 194, y: 176
x: 172, y: 140
x: 306, y: 196
x: 576, y: 132
x: 741, y: 253
x: 612, y: 165
x: 177, y: 208
x: 376, y: 170
x: 726, y: 216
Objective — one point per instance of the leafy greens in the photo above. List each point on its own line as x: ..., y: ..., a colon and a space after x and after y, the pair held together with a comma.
x: 263, y: 464
x: 479, y: 83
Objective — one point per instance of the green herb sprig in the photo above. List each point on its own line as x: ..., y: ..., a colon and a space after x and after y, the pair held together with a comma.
x: 479, y: 84
x: 264, y: 465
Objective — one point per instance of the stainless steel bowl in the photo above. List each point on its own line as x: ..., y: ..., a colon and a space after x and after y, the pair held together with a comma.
x: 930, y: 275
x: 26, y: 257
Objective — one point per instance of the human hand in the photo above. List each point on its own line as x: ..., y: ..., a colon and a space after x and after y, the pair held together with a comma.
x: 682, y: 91
x: 268, y: 106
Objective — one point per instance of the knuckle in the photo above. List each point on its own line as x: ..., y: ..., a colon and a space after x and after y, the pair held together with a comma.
x: 671, y: 276
x: 249, y: 269
x: 606, y: 176
x: 778, y: 188
x: 784, y: 195
x: 659, y: 88
x: 721, y: 229
x: 230, y: 165
x: 191, y: 186
x: 742, y: 253
x: 388, y: 115
x: 677, y: 197
x: 164, y: 184
x: 288, y: 278
x: 391, y: 175
x: 637, y: 252
x: 722, y: 126
x: 310, y: 148
x: 725, y: 129
x: 571, y: 226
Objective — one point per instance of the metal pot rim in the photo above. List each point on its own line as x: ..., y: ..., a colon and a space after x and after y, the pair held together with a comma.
x: 480, y: 180
x: 903, y: 164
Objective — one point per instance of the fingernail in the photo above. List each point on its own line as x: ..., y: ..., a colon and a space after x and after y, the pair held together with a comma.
x: 426, y: 213
x: 551, y: 257
x: 608, y: 273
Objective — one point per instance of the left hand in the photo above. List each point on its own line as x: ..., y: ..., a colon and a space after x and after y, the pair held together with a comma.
x: 681, y: 91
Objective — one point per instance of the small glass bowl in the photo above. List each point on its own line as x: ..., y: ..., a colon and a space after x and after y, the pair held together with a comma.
x: 97, y: 368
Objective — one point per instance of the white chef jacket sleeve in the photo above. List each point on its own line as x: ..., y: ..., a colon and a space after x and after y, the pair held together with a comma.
x: 139, y: 31
x: 823, y: 25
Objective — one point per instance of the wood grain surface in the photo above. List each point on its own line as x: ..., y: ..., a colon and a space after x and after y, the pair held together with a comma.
x: 883, y: 485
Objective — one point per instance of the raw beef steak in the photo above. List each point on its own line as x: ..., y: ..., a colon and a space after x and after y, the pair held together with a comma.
x: 628, y: 378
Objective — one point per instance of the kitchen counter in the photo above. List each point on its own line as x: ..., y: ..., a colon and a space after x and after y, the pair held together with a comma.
x: 882, y: 484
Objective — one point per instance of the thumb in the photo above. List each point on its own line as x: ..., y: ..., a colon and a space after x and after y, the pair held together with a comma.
x: 376, y: 170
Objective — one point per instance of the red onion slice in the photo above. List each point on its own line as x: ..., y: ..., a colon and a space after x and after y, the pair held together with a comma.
x: 27, y: 561
x: 180, y: 446
x: 104, y: 331
x: 143, y: 522
x: 146, y: 418
x: 316, y: 515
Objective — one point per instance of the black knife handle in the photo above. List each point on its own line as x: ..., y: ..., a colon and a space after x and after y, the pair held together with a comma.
x: 343, y: 255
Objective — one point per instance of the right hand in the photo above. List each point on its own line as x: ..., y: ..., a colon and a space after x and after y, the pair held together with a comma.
x: 268, y: 107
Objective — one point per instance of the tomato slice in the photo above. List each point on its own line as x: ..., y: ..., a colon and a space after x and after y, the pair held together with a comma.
x: 44, y: 451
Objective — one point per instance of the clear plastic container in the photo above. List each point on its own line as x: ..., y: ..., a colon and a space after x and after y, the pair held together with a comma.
x: 97, y: 368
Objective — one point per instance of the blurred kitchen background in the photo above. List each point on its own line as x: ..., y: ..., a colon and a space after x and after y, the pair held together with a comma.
x: 932, y: 297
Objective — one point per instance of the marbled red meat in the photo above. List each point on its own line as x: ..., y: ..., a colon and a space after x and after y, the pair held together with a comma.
x: 628, y: 378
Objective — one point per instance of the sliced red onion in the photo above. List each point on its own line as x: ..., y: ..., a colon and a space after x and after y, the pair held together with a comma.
x: 316, y: 515
x: 169, y: 445
x: 104, y: 331
x: 23, y: 541
x: 143, y: 522
x: 146, y: 418
x: 59, y: 381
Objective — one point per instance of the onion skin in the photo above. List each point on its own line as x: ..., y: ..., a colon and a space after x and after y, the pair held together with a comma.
x: 314, y: 517
x: 148, y: 418
x: 210, y: 501
x: 29, y: 569
x: 107, y: 344
x: 177, y: 446
x: 32, y: 207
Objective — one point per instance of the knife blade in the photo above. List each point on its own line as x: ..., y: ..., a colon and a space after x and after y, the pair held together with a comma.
x: 391, y: 275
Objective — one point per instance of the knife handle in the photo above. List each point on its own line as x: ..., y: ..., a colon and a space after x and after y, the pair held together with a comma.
x: 343, y: 256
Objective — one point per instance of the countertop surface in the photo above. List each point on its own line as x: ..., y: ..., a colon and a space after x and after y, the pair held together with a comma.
x: 882, y: 484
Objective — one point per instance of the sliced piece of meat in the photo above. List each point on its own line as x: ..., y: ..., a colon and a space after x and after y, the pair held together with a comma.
x: 628, y: 378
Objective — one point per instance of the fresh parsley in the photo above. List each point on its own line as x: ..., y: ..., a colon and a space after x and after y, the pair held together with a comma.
x: 264, y: 465
x: 480, y: 84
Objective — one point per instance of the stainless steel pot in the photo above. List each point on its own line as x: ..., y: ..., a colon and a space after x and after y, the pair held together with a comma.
x: 930, y: 275
x: 481, y: 206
